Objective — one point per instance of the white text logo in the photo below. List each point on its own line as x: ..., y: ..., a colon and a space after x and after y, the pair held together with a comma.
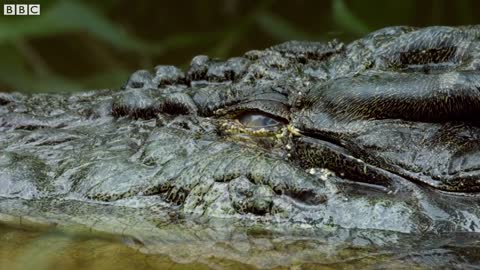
x: 21, y: 9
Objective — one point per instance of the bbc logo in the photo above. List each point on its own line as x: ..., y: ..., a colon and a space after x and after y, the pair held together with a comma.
x: 21, y: 9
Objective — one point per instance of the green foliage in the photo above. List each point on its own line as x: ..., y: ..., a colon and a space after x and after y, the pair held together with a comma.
x: 347, y: 20
x: 279, y: 28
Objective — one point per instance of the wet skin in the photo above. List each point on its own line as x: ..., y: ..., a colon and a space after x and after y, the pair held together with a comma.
x: 381, y: 134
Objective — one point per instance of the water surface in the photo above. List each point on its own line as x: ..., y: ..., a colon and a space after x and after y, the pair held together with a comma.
x: 49, y: 248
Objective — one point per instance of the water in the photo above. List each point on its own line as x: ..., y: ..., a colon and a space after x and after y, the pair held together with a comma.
x: 24, y: 247
x: 30, y: 249
x: 53, y: 233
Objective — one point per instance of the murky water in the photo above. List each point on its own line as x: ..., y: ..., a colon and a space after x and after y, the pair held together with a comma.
x: 30, y: 249
x: 58, y: 234
x: 26, y: 248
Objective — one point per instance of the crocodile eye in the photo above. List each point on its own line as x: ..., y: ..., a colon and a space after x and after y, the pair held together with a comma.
x: 258, y: 121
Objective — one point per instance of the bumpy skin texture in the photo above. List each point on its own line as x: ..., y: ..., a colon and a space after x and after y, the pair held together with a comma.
x: 393, y: 115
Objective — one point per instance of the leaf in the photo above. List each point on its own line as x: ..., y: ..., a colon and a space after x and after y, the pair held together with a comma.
x: 70, y: 16
x: 347, y: 20
x: 113, y: 79
x: 237, y: 31
x: 15, y: 73
x: 279, y: 28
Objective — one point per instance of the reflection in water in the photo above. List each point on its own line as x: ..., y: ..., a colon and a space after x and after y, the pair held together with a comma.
x: 24, y: 248
x: 58, y: 234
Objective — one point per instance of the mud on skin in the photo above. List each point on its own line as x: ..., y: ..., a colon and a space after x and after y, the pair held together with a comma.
x: 381, y: 134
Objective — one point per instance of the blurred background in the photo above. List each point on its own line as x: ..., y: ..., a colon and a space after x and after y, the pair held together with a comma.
x: 92, y: 44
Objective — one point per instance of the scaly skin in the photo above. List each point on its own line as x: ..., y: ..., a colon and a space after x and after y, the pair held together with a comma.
x: 380, y: 134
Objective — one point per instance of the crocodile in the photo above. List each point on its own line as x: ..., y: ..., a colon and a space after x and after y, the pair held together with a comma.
x: 379, y: 135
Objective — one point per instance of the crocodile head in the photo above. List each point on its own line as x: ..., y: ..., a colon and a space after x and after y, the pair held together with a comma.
x: 378, y: 134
